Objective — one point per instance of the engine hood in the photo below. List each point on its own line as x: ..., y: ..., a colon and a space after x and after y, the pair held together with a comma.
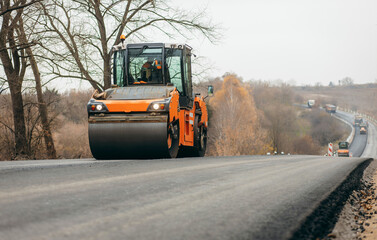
x: 139, y: 92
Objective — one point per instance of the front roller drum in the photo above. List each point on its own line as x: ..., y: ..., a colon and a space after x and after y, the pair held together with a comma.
x: 130, y: 140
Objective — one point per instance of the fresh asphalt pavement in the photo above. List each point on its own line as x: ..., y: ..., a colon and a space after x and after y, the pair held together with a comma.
x: 244, y: 197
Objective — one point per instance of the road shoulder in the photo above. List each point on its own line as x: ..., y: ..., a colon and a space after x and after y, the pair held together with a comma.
x: 358, y: 219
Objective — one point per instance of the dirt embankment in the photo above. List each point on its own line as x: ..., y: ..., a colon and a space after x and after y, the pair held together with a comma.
x: 358, y: 219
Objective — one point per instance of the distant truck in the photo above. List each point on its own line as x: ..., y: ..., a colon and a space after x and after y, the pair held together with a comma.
x: 358, y: 120
x: 330, y: 108
x: 311, y: 103
x: 343, y: 149
x: 363, y: 128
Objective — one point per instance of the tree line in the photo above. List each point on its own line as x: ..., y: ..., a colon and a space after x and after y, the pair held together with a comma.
x: 255, y: 117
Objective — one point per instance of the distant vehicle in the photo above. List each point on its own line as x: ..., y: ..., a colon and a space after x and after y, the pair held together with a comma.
x: 358, y: 120
x: 343, y: 149
x: 311, y: 103
x: 363, y: 128
x: 330, y: 108
x: 364, y: 124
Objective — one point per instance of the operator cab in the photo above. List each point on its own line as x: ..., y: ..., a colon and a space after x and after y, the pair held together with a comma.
x: 343, y: 145
x: 155, y: 64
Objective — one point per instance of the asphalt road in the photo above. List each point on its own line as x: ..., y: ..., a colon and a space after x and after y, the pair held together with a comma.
x: 246, y: 197
x: 371, y: 149
x: 358, y: 144
x: 258, y: 197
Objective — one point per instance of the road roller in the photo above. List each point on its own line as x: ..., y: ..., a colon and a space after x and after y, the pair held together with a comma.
x: 150, y: 110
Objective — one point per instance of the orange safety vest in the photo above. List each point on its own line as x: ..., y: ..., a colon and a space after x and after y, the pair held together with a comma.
x: 158, y: 64
x: 141, y: 82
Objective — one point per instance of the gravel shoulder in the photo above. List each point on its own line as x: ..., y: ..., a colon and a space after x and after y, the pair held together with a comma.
x: 358, y: 219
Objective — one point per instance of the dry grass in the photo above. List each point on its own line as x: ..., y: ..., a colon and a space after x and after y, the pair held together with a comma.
x: 68, y: 116
x: 71, y: 138
x: 71, y: 141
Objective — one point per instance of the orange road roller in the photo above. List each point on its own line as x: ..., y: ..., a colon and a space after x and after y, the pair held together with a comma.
x: 150, y: 111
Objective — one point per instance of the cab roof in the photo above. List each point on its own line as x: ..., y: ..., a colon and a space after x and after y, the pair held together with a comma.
x: 121, y: 46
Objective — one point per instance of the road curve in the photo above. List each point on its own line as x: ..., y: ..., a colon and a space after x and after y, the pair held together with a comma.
x: 359, y: 141
x: 245, y: 197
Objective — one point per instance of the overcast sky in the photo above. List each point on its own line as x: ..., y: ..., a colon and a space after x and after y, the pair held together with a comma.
x: 305, y: 41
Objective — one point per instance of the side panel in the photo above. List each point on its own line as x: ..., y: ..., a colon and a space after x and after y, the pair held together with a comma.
x: 187, y: 119
x: 203, y: 109
x: 174, y: 106
x: 186, y: 124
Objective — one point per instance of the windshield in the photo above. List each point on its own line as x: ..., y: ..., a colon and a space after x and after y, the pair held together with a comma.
x: 343, y: 145
x: 145, y: 66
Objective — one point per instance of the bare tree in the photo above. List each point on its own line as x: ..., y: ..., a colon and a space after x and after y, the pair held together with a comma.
x: 280, y: 124
x: 320, y: 125
x: 12, y: 55
x: 279, y: 115
x: 15, y: 51
x: 7, y: 8
x: 82, y: 32
x: 347, y: 81
x: 42, y: 106
x: 306, y: 145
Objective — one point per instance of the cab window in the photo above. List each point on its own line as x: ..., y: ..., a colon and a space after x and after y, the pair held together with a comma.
x: 173, y: 64
x: 119, y: 68
x: 188, y: 75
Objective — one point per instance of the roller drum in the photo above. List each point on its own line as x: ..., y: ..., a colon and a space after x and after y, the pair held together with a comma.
x: 127, y: 140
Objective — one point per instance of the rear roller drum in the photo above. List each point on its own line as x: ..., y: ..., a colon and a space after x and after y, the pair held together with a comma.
x: 200, y: 138
x: 173, y: 140
x: 200, y: 142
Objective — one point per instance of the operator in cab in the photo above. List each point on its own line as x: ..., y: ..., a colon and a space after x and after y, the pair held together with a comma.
x: 151, y: 71
x: 146, y: 70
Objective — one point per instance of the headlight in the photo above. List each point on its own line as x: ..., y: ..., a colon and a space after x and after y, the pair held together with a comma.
x: 160, y: 106
x: 99, y: 107
x: 156, y: 106
x: 96, y: 107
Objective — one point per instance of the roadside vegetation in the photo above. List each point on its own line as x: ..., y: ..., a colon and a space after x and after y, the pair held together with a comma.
x: 257, y: 117
x: 68, y: 122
